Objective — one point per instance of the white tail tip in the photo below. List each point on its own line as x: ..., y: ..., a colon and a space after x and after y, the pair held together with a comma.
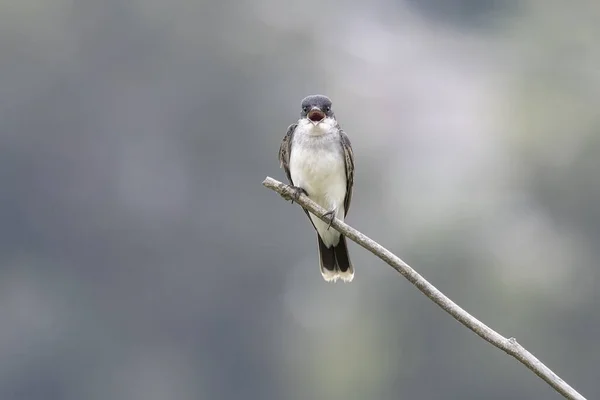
x: 333, y: 276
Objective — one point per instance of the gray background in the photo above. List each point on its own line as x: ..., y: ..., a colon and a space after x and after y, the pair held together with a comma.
x: 140, y: 257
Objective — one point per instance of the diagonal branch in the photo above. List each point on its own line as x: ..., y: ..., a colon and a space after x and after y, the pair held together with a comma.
x: 509, y: 346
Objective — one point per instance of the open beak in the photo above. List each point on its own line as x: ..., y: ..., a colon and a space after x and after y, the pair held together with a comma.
x: 316, y: 115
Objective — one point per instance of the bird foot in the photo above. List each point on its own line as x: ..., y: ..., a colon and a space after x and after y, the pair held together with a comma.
x: 330, y: 215
x: 297, y: 192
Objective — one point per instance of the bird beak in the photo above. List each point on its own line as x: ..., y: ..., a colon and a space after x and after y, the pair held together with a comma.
x: 316, y: 115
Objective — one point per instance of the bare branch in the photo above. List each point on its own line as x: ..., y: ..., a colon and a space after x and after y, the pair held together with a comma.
x: 509, y: 346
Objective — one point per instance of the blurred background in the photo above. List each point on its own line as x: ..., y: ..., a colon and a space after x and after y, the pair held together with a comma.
x: 141, y: 258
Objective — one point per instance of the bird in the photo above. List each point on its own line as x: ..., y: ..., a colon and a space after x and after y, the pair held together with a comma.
x: 317, y: 157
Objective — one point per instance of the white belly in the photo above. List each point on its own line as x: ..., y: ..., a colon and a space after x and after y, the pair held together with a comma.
x: 321, y: 171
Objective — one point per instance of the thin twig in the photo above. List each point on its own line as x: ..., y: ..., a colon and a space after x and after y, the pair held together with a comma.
x: 510, y: 345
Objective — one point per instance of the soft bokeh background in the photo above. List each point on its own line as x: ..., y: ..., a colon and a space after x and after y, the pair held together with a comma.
x: 140, y: 257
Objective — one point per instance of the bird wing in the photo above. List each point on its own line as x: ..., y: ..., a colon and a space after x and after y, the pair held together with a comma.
x: 285, y: 150
x: 349, y: 159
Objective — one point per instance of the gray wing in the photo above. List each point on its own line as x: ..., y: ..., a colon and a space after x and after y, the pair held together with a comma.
x: 285, y: 150
x: 349, y: 158
x: 284, y: 159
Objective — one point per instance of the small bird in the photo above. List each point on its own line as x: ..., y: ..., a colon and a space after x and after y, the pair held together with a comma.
x: 317, y: 157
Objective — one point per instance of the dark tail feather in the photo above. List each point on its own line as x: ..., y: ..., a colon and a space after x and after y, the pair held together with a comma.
x: 335, y: 262
x: 341, y: 255
x: 327, y: 261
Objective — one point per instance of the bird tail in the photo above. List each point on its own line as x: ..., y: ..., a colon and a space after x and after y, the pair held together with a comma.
x: 335, y: 262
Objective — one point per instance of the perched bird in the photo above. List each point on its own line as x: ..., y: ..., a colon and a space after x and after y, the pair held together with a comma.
x: 318, y: 160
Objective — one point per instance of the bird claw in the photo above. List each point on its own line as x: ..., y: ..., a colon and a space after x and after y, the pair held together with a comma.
x: 330, y: 215
x: 297, y: 192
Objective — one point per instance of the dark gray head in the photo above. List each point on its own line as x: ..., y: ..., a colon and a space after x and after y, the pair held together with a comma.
x: 316, y: 108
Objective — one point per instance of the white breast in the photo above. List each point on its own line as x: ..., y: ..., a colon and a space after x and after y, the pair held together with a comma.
x: 317, y: 165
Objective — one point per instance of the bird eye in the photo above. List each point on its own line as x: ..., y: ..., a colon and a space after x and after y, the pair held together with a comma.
x: 327, y: 108
x: 305, y: 108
